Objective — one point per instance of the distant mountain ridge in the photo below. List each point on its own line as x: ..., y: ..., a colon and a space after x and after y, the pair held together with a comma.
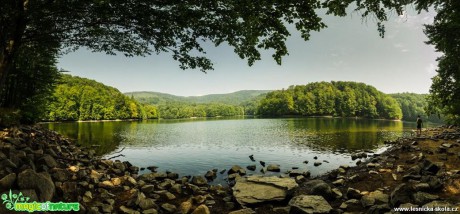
x: 234, y: 98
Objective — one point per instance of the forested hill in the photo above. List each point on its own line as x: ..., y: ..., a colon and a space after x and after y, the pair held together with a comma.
x: 413, y: 105
x: 235, y: 98
x: 77, y: 98
x: 343, y: 99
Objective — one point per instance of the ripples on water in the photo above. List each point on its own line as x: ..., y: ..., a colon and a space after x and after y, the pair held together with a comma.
x: 192, y: 147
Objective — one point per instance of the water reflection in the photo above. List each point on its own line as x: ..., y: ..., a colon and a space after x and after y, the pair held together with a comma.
x: 195, y: 146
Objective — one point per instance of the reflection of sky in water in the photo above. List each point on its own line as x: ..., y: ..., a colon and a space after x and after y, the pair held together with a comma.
x: 195, y: 146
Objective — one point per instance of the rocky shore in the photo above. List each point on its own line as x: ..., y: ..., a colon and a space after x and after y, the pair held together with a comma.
x: 420, y: 173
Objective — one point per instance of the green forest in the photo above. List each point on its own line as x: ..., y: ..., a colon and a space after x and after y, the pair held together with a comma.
x: 413, y: 105
x: 76, y: 98
x: 342, y: 99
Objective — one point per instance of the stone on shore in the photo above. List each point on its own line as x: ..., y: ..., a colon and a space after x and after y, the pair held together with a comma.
x: 251, y: 167
x: 7, y: 182
x: 40, y: 182
x: 273, y: 168
x: 202, y: 209
x: 258, y: 189
x: 321, y: 188
x: 237, y: 169
x: 199, y: 181
x: 309, y: 204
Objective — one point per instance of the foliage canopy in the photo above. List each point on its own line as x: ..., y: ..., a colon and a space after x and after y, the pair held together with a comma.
x: 142, y: 27
x: 343, y: 99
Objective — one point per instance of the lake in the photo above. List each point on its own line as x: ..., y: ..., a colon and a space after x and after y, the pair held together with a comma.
x: 194, y: 146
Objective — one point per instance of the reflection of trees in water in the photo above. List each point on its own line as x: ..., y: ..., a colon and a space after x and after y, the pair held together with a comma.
x: 103, y: 135
x: 343, y: 135
x: 319, y: 134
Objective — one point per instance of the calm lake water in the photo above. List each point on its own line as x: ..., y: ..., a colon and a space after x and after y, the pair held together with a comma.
x: 194, y: 146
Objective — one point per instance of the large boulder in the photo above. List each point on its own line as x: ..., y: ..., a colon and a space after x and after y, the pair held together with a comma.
x: 258, y: 189
x: 319, y: 187
x: 309, y: 204
x: 401, y: 194
x: 7, y: 182
x: 40, y: 182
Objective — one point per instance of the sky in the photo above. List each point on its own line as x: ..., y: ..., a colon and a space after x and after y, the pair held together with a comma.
x: 349, y: 49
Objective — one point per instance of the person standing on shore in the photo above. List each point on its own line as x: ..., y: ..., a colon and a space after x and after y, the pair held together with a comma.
x: 419, y: 125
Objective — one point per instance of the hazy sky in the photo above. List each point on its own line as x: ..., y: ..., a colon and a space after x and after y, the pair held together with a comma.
x: 349, y: 50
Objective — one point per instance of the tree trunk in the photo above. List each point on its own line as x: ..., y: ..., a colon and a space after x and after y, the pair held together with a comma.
x: 11, y: 41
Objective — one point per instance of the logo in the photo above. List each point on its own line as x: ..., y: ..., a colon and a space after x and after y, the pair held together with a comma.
x: 19, y: 202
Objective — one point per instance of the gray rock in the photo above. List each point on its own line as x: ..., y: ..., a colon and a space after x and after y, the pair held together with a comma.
x: 337, y: 193
x: 446, y: 145
x: 173, y: 175
x: 199, y: 199
x: 351, y: 205
x: 166, y: 184
x: 210, y: 175
x: 237, y: 169
x: 185, y: 207
x: 376, y: 197
x: 202, y: 209
x: 251, y: 167
x: 147, y: 203
x: 176, y: 188
x: 367, y: 201
x: 294, y: 173
x: 273, y: 168
x: 309, y: 204
x: 40, y: 182
x: 401, y: 195
x: 49, y: 161
x: 257, y: 189
x: 169, y: 196
x: 61, y: 175
x: 169, y: 208
x: 153, y: 176
x: 321, y: 188
x: 339, y: 182
x: 7, y: 182
x: 119, y: 165
x: 421, y: 198
x: 107, y: 208
x: 317, y: 163
x: 199, y: 181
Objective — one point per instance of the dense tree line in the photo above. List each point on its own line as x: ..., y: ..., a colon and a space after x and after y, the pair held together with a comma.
x: 77, y: 98
x: 413, y: 105
x: 343, y: 99
x: 234, y: 98
x: 188, y: 110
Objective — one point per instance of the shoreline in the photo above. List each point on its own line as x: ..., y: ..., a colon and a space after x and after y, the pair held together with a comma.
x: 47, y: 166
